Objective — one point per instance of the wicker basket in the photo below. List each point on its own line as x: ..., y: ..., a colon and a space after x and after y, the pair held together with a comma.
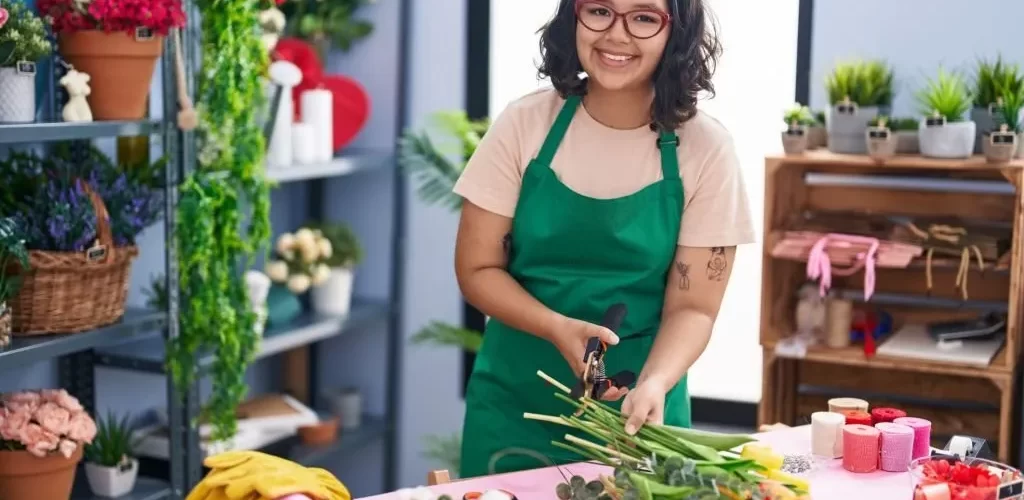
x: 70, y: 292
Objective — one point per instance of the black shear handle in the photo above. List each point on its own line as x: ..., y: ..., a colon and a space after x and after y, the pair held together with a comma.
x: 612, y: 320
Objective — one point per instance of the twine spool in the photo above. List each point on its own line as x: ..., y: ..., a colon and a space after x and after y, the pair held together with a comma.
x: 839, y: 317
x: 896, y: 446
x: 886, y: 414
x: 860, y: 448
x: 857, y: 417
x: 839, y: 405
x: 827, y: 434
x: 922, y: 434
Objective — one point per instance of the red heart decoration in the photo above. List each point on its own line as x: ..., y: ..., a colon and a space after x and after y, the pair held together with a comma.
x: 4, y: 16
x: 351, y: 108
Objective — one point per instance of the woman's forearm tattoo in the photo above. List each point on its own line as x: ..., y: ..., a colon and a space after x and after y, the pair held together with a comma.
x: 717, y: 264
x: 684, y: 275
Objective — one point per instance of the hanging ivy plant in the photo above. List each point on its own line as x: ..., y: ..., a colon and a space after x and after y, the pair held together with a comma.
x: 223, y: 211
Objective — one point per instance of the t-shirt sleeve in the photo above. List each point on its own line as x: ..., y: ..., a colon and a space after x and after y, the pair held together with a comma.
x: 493, y: 175
x: 717, y: 211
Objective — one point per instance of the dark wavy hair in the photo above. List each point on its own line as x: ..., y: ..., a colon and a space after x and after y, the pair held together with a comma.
x: 685, y: 69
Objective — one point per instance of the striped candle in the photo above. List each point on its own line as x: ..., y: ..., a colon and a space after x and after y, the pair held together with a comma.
x: 897, y: 446
x: 922, y: 434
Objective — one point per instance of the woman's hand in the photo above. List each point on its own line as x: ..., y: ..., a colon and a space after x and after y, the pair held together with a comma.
x: 645, y: 404
x: 570, y: 337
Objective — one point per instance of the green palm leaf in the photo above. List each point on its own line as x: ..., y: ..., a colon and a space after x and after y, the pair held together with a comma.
x: 439, y: 333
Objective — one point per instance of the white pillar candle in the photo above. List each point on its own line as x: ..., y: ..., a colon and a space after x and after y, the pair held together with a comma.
x: 303, y: 143
x: 318, y: 112
x: 285, y: 77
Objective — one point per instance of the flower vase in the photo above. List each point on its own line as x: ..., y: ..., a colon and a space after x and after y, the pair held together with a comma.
x: 17, y: 96
x: 282, y: 306
x: 112, y: 482
x: 24, y: 476
x: 334, y: 296
x: 120, y: 67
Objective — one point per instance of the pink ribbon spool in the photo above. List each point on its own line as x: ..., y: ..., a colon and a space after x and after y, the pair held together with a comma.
x: 819, y: 265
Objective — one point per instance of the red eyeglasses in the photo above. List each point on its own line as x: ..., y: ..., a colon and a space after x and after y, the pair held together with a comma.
x: 639, y: 23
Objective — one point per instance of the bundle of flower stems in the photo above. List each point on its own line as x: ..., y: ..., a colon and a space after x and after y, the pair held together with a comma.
x: 662, y: 462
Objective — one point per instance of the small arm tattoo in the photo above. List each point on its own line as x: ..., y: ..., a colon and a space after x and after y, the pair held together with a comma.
x: 684, y: 275
x: 717, y: 264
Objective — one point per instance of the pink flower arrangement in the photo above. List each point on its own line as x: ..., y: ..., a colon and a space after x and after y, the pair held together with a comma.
x: 44, y: 422
x: 69, y: 16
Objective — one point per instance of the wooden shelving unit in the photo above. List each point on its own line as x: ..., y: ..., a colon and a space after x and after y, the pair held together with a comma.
x: 957, y: 399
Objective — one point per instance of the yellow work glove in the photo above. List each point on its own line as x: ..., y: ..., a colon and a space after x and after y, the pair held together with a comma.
x: 251, y: 475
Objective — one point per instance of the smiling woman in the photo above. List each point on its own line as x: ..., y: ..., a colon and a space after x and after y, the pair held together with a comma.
x: 574, y: 205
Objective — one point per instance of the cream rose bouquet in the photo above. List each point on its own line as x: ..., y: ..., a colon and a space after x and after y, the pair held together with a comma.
x: 301, y: 260
x: 44, y: 422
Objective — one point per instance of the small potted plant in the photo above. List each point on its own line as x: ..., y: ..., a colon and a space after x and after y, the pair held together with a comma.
x: 334, y: 296
x: 796, y: 137
x: 23, y: 43
x: 41, y: 443
x: 991, y: 79
x: 110, y: 463
x: 881, y: 140
x: 818, y: 134
x: 12, y: 252
x: 858, y: 92
x: 116, y: 45
x: 905, y: 129
x: 1004, y: 143
x: 300, y: 263
x: 944, y: 133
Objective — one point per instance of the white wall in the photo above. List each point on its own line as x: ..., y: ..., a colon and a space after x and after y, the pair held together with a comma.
x: 754, y: 84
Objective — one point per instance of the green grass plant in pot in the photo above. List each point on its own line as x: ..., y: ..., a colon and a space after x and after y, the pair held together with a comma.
x: 116, y: 46
x: 880, y: 139
x: 1003, y: 142
x: 23, y: 42
x: 905, y: 129
x: 858, y: 92
x: 110, y: 463
x: 795, y: 137
x: 991, y: 79
x: 944, y: 132
x: 12, y: 253
x: 334, y: 295
x: 818, y: 136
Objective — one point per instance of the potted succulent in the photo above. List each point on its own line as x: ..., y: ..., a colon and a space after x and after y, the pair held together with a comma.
x: 300, y: 263
x: 991, y: 80
x: 858, y: 92
x: 1004, y: 143
x: 115, y: 45
x: 905, y: 129
x: 334, y: 295
x: 23, y: 43
x: 944, y: 133
x: 110, y: 463
x: 818, y: 134
x: 41, y: 442
x: 798, y: 120
x: 12, y: 252
x: 881, y: 140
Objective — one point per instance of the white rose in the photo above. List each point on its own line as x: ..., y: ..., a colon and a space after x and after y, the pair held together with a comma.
x: 326, y: 249
x: 305, y: 236
x: 309, y: 251
x: 277, y: 271
x: 285, y: 244
x: 298, y: 283
x: 321, y: 274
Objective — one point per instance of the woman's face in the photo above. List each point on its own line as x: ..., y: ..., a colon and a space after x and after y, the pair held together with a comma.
x: 620, y: 42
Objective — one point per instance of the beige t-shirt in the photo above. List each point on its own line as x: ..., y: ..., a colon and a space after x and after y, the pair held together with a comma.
x: 602, y: 162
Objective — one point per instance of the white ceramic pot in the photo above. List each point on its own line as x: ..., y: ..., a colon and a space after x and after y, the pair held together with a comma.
x: 846, y: 130
x: 112, y: 482
x: 17, y: 96
x: 347, y: 405
x: 334, y: 296
x: 952, y: 140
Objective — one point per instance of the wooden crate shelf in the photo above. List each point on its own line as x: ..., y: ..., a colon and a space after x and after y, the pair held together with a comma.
x: 957, y: 398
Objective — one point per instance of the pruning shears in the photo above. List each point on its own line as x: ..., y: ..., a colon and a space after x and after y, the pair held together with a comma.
x: 593, y: 382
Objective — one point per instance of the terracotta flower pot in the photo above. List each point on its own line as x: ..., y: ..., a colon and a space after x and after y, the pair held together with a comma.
x: 121, y: 70
x: 24, y: 476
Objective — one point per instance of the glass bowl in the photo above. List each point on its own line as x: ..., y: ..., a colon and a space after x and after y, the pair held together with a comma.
x: 959, y: 480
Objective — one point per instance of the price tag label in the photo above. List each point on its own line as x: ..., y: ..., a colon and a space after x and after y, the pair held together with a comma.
x: 935, y: 121
x: 1012, y: 491
x: 878, y: 133
x: 846, y: 108
x: 26, y: 68
x: 143, y: 34
x: 796, y: 132
x: 96, y: 252
x: 1003, y: 138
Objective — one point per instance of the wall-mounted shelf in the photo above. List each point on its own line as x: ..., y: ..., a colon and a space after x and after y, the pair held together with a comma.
x: 371, y: 429
x: 69, y: 131
x: 348, y: 163
x: 145, y: 489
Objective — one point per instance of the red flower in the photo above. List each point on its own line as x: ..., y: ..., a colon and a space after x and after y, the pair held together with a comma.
x: 159, y: 16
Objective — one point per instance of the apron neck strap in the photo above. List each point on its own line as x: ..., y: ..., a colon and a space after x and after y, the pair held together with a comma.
x: 668, y: 143
x: 557, y: 132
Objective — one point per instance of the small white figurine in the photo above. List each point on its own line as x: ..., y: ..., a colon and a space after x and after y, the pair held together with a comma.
x: 76, y: 84
x: 257, y: 285
x: 810, y: 314
x: 272, y: 23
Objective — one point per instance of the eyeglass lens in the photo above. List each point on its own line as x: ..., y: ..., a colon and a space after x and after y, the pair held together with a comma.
x: 643, y: 23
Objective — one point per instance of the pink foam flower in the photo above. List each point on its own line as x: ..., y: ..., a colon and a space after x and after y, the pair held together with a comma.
x: 44, y: 422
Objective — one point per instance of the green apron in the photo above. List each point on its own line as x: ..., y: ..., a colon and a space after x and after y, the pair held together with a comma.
x: 578, y: 256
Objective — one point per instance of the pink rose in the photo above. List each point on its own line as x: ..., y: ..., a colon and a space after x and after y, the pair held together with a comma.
x: 13, y: 424
x: 81, y: 428
x: 67, y: 448
x: 39, y: 441
x: 53, y: 418
x: 24, y: 397
x: 62, y: 398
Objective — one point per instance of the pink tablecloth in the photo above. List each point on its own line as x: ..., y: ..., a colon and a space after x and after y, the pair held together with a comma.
x: 829, y: 481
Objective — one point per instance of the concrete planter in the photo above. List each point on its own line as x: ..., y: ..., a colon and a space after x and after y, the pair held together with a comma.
x: 985, y: 123
x: 846, y: 130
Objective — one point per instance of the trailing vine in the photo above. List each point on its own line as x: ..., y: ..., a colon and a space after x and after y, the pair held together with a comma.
x: 216, y: 237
